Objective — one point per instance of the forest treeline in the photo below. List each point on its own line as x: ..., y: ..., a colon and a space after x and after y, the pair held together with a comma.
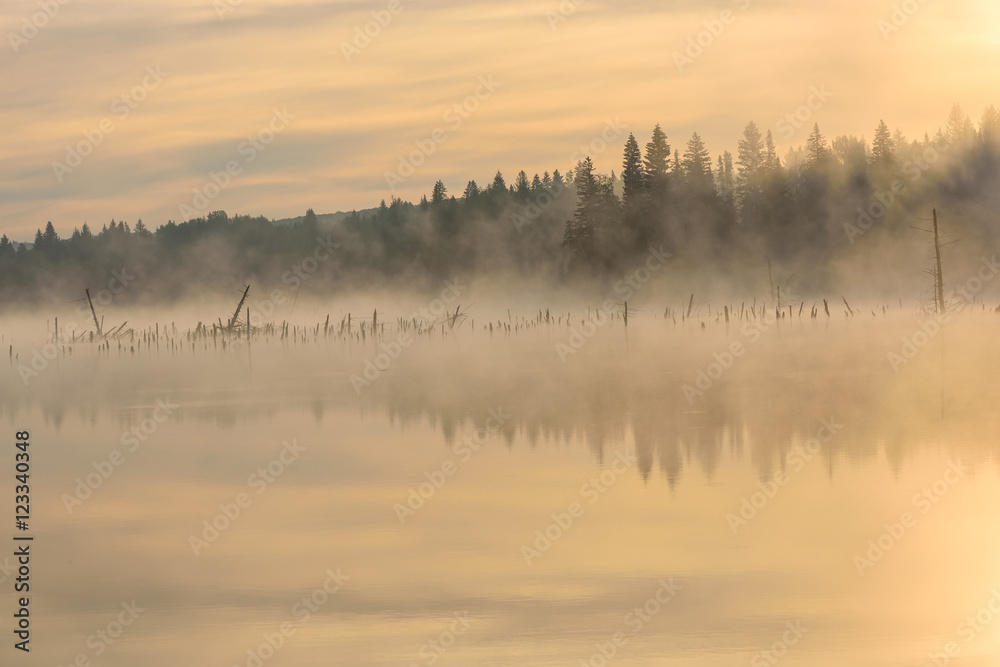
x: 807, y: 212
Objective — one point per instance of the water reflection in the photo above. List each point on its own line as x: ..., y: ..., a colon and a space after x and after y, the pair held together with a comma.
x: 461, y: 551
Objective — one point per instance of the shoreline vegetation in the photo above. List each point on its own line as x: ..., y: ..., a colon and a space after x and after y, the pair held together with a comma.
x: 827, y: 210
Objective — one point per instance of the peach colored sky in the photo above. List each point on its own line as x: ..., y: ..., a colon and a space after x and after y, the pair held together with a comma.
x: 559, y: 84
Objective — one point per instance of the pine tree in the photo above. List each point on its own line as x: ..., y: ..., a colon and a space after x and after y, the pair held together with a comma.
x: 697, y: 165
x: 632, y: 176
x: 816, y: 150
x: 50, y: 236
x: 771, y: 160
x: 883, y: 152
x: 989, y: 126
x: 471, y: 191
x: 521, y: 187
x: 959, y: 126
x: 499, y: 186
x: 580, y: 231
x: 536, y: 184
x: 725, y: 181
x: 439, y: 192
x: 309, y: 220
x: 751, y: 155
x: 656, y: 164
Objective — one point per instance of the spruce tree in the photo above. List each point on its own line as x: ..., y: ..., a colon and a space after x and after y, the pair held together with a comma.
x: 656, y: 164
x: 816, y: 150
x: 521, y: 187
x: 632, y: 176
x: 697, y: 166
x: 439, y: 193
x: 883, y: 152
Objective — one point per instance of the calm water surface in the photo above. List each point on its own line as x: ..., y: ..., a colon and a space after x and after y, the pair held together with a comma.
x: 483, y: 502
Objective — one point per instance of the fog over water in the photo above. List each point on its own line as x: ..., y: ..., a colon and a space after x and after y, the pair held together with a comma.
x: 467, y: 334
x: 743, y: 467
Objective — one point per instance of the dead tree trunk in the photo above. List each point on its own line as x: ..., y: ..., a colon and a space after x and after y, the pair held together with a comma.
x: 236, y: 316
x: 938, y: 278
x: 92, y: 312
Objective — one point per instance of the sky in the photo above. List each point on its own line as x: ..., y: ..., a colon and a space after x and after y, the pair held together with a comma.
x: 168, y: 109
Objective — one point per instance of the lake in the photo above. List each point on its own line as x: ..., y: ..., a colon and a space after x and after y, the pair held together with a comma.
x: 809, y: 491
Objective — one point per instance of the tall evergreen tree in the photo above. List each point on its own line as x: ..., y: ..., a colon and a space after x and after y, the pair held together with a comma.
x: 816, y: 150
x: 50, y: 236
x: 989, y: 126
x: 471, y: 191
x: 632, y: 176
x: 959, y: 126
x: 771, y: 159
x: 581, y: 230
x: 499, y: 186
x: 656, y: 164
x: 697, y: 166
x: 521, y: 186
x: 725, y: 181
x: 883, y: 150
x: 750, y: 153
x: 439, y: 193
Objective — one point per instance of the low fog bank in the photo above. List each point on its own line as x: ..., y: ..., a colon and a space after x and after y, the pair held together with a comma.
x: 685, y: 395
